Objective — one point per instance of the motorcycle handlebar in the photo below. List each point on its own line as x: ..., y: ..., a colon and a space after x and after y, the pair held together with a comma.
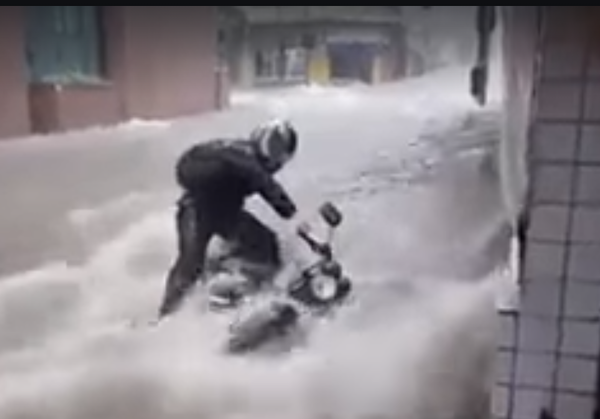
x: 316, y: 246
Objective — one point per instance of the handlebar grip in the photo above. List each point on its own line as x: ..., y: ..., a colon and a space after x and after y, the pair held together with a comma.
x: 308, y: 239
x: 323, y: 249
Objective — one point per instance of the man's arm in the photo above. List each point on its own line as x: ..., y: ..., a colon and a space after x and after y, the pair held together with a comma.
x: 266, y: 185
x: 276, y: 196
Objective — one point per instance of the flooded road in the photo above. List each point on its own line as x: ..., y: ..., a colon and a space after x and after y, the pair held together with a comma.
x: 87, y: 236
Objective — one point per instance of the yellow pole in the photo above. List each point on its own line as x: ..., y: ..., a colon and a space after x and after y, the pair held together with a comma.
x: 319, y: 66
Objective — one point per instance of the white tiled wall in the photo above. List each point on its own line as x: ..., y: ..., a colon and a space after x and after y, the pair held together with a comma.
x: 549, y: 353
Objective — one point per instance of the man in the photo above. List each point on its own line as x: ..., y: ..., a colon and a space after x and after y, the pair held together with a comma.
x: 217, y: 177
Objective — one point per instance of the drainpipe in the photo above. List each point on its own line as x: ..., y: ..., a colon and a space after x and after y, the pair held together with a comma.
x: 485, y: 24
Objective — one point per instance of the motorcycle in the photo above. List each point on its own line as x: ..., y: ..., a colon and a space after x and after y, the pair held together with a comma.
x: 314, y: 292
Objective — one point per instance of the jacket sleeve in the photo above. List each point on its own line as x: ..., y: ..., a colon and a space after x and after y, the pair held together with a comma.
x: 267, y: 186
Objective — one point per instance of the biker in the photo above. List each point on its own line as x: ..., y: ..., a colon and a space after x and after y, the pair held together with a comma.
x: 217, y: 177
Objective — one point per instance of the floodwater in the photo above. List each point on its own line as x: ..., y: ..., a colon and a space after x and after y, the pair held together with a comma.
x: 87, y: 236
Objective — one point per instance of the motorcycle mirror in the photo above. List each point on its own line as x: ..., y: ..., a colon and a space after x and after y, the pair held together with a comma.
x: 331, y: 214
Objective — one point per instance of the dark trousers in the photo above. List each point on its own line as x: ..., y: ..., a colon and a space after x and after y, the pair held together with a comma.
x: 249, y: 239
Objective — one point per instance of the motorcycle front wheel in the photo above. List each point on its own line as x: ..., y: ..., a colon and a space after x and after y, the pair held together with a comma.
x: 321, y: 290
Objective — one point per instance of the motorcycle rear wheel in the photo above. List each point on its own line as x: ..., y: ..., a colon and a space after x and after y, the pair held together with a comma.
x: 261, y: 328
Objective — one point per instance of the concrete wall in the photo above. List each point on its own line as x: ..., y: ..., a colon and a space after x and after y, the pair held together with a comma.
x: 551, y: 346
x: 520, y: 27
x: 161, y: 62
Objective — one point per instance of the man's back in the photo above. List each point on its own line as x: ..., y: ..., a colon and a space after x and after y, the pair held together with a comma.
x: 224, y: 173
x: 214, y: 172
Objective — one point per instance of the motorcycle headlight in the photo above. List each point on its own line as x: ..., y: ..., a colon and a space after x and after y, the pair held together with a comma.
x: 324, y: 288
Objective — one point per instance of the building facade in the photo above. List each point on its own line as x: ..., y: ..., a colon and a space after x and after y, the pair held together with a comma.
x: 71, y: 67
x: 318, y: 44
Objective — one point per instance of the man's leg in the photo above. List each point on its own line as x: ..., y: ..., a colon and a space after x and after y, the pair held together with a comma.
x: 256, y: 245
x: 193, y: 237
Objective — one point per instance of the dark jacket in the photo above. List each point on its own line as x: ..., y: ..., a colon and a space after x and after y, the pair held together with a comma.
x: 221, y: 174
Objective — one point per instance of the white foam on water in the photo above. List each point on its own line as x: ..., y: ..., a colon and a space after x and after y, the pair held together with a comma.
x: 389, y: 356
x: 417, y: 342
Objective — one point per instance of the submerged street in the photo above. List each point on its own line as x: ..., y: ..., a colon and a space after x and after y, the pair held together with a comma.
x: 87, y: 237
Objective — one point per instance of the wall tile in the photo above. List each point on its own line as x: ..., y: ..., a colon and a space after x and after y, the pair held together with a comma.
x: 562, y: 100
x: 577, y: 375
x: 535, y: 370
x: 588, y: 185
x: 581, y: 338
x: 571, y: 406
x: 544, y: 261
x: 552, y: 183
x: 583, y: 300
x: 589, y: 149
x: 541, y: 297
x: 584, y: 262
x: 586, y: 225
x: 549, y: 222
x: 592, y: 101
x: 563, y: 60
x: 538, y: 334
x: 554, y: 141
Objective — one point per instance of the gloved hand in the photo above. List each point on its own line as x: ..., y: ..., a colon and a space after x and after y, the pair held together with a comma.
x: 303, y: 227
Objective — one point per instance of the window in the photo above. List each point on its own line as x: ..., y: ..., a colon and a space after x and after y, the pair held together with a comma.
x: 265, y: 64
x: 281, y: 64
x: 296, y: 63
x: 64, y: 44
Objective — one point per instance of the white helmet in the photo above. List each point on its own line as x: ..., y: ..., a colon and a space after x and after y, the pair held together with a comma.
x: 276, y: 142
